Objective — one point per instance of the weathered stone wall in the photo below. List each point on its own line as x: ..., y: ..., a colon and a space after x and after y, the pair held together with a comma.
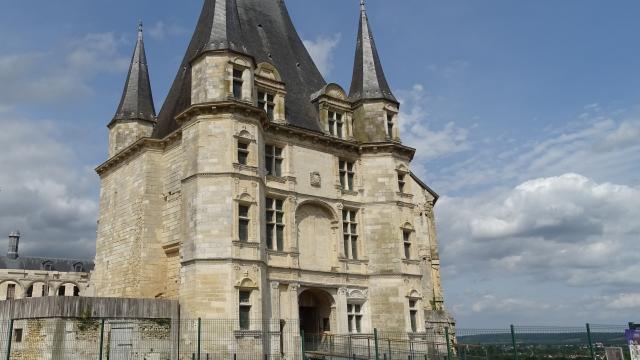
x: 169, y: 217
x: 124, y: 133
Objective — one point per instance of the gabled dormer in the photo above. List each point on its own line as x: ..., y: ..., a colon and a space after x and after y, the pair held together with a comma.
x: 335, y: 111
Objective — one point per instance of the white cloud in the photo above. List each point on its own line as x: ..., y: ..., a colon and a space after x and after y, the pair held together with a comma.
x: 160, y: 30
x: 567, y: 228
x: 600, y: 148
x: 43, y: 193
x: 417, y: 128
x: 321, y: 50
x: 493, y: 303
x: 59, y: 74
x: 625, y: 301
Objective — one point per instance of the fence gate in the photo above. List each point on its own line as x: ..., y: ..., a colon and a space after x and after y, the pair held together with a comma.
x: 121, y: 344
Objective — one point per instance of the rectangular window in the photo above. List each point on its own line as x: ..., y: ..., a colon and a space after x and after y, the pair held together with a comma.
x: 17, y: 335
x: 11, y: 291
x: 266, y: 101
x: 243, y: 153
x: 336, y: 124
x: 275, y: 224
x: 354, y: 316
x: 390, y: 125
x: 45, y: 290
x: 237, y: 83
x: 406, y: 237
x: 245, y: 310
x: 243, y: 223
x: 413, y: 315
x: 401, y: 182
x: 347, y: 174
x: 62, y: 290
x: 273, y: 160
x: 350, y: 233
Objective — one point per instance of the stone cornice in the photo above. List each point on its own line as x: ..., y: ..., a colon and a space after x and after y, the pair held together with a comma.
x: 136, y: 148
x: 230, y: 106
x: 388, y: 147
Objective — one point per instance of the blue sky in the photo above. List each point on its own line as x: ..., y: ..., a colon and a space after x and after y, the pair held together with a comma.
x: 526, y: 117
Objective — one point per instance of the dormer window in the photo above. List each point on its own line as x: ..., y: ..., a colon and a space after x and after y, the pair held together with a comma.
x: 238, y: 82
x: 336, y: 124
x: 266, y: 101
x: 390, y: 125
x: 78, y: 267
x: 401, y: 182
x: 47, y: 266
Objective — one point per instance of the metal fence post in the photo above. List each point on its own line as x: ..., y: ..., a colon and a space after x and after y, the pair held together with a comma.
x: 375, y: 340
x: 101, y: 339
x: 199, y: 337
x: 513, y: 342
x: 302, y: 344
x: 9, y: 339
x: 446, y: 335
x: 593, y: 354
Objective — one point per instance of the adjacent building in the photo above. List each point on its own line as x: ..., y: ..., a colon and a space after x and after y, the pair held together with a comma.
x: 32, y: 277
x: 262, y: 192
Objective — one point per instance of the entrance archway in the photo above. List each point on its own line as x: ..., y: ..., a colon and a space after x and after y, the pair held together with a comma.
x: 316, y: 307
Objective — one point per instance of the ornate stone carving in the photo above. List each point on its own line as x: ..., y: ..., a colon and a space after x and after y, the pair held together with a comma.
x: 316, y: 179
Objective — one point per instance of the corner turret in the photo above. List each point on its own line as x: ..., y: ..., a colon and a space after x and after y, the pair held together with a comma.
x: 136, y: 114
x: 375, y: 106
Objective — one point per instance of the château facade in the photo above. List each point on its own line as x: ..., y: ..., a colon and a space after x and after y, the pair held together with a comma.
x: 260, y: 192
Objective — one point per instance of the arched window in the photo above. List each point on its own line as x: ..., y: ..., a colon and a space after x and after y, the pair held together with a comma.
x: 78, y: 267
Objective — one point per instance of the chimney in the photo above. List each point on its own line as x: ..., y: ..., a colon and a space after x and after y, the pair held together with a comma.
x: 14, y: 239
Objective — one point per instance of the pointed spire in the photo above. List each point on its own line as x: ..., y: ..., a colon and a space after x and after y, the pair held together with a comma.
x: 137, y: 99
x: 369, y: 81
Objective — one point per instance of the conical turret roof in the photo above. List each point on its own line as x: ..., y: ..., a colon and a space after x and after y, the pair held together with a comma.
x: 263, y: 30
x: 369, y: 81
x: 137, y: 99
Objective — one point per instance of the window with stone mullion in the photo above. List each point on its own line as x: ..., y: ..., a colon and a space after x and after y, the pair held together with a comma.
x: 347, y: 175
x: 336, y: 124
x: 350, y: 232
x: 354, y: 318
x: 406, y: 237
x: 273, y: 160
x: 275, y: 224
x: 266, y: 101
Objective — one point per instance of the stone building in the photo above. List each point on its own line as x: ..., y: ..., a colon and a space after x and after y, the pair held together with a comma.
x: 32, y: 277
x: 261, y: 192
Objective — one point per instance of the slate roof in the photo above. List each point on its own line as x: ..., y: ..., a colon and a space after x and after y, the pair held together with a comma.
x: 137, y: 99
x: 37, y: 263
x: 369, y: 81
x: 263, y: 30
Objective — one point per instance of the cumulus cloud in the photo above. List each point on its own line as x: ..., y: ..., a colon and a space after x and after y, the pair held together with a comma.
x: 43, y: 192
x: 322, y: 50
x: 567, y: 228
x: 45, y: 77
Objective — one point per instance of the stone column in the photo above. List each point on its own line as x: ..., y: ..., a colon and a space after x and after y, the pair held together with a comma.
x: 292, y: 336
x: 341, y: 312
x: 274, y: 319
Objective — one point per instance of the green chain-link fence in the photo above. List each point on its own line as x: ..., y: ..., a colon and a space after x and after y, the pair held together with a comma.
x: 538, y: 342
x: 199, y: 339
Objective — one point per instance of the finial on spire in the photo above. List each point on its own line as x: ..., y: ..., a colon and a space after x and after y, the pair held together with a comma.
x: 140, y: 25
x: 362, y: 5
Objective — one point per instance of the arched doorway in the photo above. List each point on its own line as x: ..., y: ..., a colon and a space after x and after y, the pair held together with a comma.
x: 316, y: 310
